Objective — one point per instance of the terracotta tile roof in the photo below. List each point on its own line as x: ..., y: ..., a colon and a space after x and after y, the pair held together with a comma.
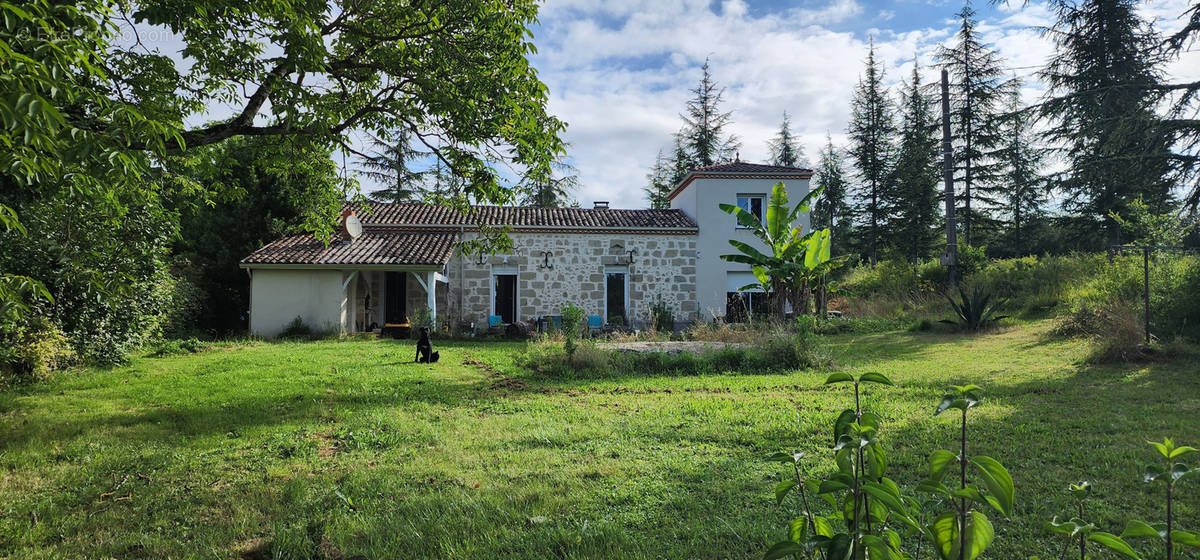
x: 377, y: 214
x: 743, y: 167
x: 740, y: 169
x: 372, y: 247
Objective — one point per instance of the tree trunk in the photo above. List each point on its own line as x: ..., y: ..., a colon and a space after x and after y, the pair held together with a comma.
x: 779, y: 299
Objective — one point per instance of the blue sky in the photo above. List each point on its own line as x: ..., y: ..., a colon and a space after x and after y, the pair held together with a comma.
x: 619, y: 71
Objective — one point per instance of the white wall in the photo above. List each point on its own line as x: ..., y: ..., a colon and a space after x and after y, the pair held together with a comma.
x: 700, y: 200
x: 278, y: 296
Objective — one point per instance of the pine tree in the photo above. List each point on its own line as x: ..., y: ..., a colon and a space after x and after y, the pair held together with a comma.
x: 912, y: 199
x: 1101, y: 105
x: 978, y: 90
x: 1185, y: 106
x: 659, y: 183
x: 704, y: 132
x: 785, y: 151
x: 1020, y: 164
x: 389, y: 164
x: 871, y: 130
x: 553, y: 191
x: 441, y: 183
x: 681, y: 162
x: 831, y: 210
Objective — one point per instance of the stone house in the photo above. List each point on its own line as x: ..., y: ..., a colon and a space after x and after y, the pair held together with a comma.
x: 403, y: 263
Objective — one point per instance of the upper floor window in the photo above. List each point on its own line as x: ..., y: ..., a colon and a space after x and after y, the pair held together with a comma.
x: 752, y: 203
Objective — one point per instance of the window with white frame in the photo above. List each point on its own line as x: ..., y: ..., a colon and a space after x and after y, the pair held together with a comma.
x: 752, y: 203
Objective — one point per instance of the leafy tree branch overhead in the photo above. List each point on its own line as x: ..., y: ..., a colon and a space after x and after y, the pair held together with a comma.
x: 453, y: 73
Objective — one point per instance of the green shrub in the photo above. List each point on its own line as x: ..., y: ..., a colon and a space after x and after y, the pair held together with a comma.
x: 859, y: 325
x: 1033, y: 285
x: 421, y: 318
x: 31, y: 350
x: 296, y: 329
x: 185, y: 304
x: 1114, y: 329
x: 971, y: 260
x: 587, y: 356
x: 1036, y: 283
x: 1174, y: 295
x: 572, y: 317
x: 177, y: 347
x: 662, y: 317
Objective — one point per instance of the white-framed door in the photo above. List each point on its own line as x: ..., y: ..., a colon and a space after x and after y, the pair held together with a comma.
x: 616, y: 293
x: 506, y: 289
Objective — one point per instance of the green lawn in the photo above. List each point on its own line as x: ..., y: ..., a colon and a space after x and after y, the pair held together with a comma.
x: 337, y: 449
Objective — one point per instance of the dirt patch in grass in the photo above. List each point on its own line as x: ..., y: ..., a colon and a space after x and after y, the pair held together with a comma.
x: 499, y: 381
x: 327, y: 445
x: 257, y: 548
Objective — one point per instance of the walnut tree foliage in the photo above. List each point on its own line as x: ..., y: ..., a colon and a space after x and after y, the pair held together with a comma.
x: 80, y: 103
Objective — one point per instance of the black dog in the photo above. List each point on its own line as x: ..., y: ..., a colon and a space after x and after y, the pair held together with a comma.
x: 425, y: 353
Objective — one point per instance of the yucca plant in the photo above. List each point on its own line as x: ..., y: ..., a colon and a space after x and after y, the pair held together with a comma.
x: 975, y: 311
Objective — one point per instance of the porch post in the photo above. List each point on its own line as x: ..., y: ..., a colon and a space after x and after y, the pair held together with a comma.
x: 431, y: 297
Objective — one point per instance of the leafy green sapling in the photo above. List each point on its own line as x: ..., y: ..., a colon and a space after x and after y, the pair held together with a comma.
x: 1078, y: 528
x: 963, y: 533
x: 1170, y: 472
x: 867, y: 506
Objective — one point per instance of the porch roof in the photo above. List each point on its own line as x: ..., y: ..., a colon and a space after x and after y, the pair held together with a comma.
x: 372, y: 248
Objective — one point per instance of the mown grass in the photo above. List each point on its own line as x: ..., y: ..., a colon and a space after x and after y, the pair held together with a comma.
x: 339, y: 449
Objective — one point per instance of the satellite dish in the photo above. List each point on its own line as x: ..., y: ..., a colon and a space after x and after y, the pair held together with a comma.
x: 353, y: 227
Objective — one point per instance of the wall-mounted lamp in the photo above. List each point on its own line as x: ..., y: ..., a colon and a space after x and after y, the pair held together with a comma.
x: 631, y: 252
x: 546, y: 260
x: 480, y: 259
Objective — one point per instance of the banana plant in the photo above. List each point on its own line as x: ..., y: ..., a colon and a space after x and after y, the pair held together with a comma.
x: 963, y: 532
x: 818, y: 264
x: 786, y: 243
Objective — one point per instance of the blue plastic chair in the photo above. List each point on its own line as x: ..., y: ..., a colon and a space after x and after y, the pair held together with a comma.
x: 595, y: 323
x: 495, y: 320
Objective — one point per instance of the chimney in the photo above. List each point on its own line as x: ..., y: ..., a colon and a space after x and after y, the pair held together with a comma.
x: 600, y: 205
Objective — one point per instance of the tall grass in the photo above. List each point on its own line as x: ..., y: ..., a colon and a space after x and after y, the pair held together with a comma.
x: 1174, y: 294
x: 748, y: 351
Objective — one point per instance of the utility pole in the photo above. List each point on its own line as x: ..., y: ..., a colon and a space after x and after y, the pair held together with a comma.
x: 950, y: 258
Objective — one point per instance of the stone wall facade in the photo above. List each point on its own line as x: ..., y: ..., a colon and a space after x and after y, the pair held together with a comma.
x: 662, y: 268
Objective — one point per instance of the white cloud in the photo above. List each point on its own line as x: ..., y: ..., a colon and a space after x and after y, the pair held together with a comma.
x: 620, y: 77
x: 619, y: 72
